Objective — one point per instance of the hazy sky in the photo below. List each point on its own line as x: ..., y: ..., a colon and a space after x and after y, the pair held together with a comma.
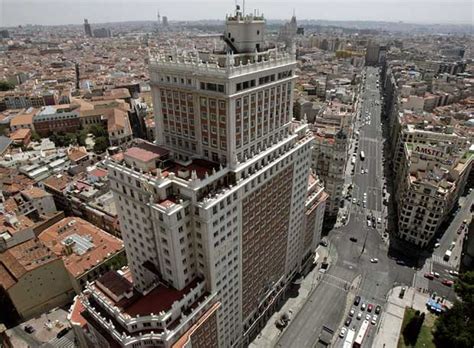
x: 15, y: 12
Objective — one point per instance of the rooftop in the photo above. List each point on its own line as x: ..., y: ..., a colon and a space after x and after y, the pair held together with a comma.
x: 22, y: 258
x: 81, y: 244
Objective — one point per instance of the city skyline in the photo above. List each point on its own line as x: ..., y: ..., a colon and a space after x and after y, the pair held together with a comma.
x: 65, y: 12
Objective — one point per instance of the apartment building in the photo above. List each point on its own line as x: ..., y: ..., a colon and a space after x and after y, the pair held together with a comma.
x: 329, y: 157
x: 432, y: 165
x: 218, y: 216
x: 87, y: 251
x: 28, y: 272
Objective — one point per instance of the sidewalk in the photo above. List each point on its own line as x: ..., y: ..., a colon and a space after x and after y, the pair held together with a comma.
x: 388, y: 331
x: 270, y: 333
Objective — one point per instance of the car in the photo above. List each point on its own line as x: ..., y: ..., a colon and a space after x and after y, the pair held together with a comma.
x: 348, y: 321
x: 369, y: 223
x: 343, y: 332
x: 429, y: 276
x: 367, y: 317
x: 62, y: 332
x: 437, y: 245
x: 362, y: 171
x: 379, y: 220
x: 369, y: 308
x: 368, y: 217
x: 378, y: 309
x: 401, y: 262
x: 436, y: 274
x: 402, y: 292
x: 374, y: 260
x: 373, y: 220
x: 447, y: 282
x: 359, y: 316
x: 363, y: 306
x: 364, y: 204
x: 352, y: 312
x: 374, y: 320
x: 357, y: 300
x: 353, y: 239
x: 453, y: 273
x: 354, y: 200
x: 30, y: 329
x: 324, y: 243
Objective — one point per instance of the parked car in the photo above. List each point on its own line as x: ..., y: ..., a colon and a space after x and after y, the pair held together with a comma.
x: 374, y: 320
x: 352, y: 312
x: 374, y: 260
x: 30, y: 329
x: 401, y: 262
x: 378, y: 309
x: 356, y: 300
x: 363, y: 306
x: 359, y: 316
x: 343, y: 332
x: 369, y: 308
x: 348, y: 321
x: 353, y: 239
x: 429, y: 276
x: 367, y: 317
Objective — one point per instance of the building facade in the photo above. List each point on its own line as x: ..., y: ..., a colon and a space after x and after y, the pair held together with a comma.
x: 432, y: 167
x: 221, y: 204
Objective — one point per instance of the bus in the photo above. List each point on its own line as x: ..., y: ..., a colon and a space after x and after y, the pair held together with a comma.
x: 362, y: 155
x: 349, y: 338
x: 361, y: 334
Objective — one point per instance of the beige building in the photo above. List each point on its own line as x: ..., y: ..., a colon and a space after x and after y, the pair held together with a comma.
x: 32, y: 280
x: 432, y: 168
x: 87, y: 251
x: 213, y: 216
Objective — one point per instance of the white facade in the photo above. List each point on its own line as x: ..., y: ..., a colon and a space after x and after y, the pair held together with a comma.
x: 183, y: 216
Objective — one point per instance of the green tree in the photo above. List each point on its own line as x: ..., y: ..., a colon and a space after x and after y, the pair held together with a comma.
x: 98, y: 131
x: 101, y: 144
x: 81, y: 137
x: 35, y: 136
x: 455, y: 327
x: 6, y: 85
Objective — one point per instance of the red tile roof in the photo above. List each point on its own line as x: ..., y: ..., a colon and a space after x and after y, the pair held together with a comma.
x: 105, y: 245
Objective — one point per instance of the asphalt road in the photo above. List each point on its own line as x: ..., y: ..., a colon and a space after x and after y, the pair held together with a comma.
x: 326, y: 304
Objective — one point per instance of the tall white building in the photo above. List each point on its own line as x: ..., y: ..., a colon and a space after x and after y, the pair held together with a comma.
x: 223, y: 209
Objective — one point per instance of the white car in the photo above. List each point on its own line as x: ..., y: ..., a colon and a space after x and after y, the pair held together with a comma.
x: 369, y: 223
x: 379, y: 220
x: 352, y: 312
x: 367, y: 317
x: 374, y: 319
x: 354, y: 200
x: 343, y: 332
x: 359, y: 316
x: 362, y: 171
x: 374, y: 260
x: 437, y: 245
x: 363, y: 306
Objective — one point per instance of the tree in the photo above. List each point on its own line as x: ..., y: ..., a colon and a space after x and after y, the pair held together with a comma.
x: 101, y: 144
x: 98, y: 130
x: 35, y: 136
x: 455, y: 327
x: 413, y: 328
x: 81, y: 137
x: 6, y: 85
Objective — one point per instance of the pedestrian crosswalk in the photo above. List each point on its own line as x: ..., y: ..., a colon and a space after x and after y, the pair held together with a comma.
x: 439, y: 260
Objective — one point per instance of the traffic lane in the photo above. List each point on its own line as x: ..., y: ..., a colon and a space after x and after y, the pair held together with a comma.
x: 450, y: 233
x: 304, y: 329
